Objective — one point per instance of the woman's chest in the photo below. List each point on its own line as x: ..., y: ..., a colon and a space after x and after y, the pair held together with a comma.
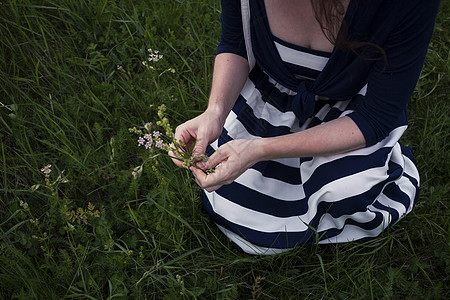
x: 294, y: 21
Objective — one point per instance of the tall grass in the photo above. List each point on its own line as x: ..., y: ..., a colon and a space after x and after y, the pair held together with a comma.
x: 71, y: 84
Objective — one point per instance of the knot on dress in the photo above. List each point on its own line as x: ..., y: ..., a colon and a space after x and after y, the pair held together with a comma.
x: 303, y: 103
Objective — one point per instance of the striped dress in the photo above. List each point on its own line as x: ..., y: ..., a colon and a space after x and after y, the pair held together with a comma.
x: 279, y: 204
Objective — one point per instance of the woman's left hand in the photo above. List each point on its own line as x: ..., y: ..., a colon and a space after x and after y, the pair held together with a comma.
x: 230, y: 160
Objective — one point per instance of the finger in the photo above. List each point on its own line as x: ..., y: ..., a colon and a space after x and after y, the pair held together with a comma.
x: 199, y: 148
x: 175, y: 159
x: 184, y: 135
x: 201, y: 143
x: 206, y: 181
x: 215, y: 159
x: 208, y: 189
x: 200, y: 176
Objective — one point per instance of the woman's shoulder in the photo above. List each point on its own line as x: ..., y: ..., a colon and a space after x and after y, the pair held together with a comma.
x: 388, y: 13
x: 231, y: 4
x: 407, y: 7
x: 396, y: 7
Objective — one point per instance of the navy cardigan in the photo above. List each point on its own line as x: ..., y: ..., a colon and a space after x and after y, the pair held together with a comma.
x: 403, y: 28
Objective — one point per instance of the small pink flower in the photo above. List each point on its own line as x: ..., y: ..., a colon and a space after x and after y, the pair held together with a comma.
x: 172, y: 146
x: 148, y: 145
x: 148, y: 137
x: 47, y: 169
x: 141, y: 141
x: 159, y: 144
x: 156, y: 134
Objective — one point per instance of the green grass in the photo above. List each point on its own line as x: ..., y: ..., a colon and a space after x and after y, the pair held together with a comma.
x: 65, y: 102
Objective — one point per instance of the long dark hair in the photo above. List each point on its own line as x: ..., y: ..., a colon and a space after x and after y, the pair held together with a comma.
x: 330, y: 15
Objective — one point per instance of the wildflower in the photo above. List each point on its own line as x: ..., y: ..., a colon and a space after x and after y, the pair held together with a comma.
x: 135, y: 130
x: 145, y: 64
x: 23, y: 204
x: 47, y: 169
x: 154, y: 55
x: 148, y: 126
x: 156, y: 134
x: 179, y: 280
x: 119, y: 67
x: 159, y: 144
x: 148, y: 145
x: 148, y: 137
x: 161, y: 110
x: 141, y: 141
x: 167, y: 148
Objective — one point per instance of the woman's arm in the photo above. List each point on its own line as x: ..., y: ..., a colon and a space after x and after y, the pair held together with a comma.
x: 229, y: 76
x: 333, y: 137
x: 233, y: 158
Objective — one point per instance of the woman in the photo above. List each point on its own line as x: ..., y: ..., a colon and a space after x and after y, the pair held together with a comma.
x: 308, y: 102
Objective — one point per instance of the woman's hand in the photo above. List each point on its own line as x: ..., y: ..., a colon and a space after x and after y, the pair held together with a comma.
x: 198, y: 132
x: 230, y: 74
x: 230, y: 161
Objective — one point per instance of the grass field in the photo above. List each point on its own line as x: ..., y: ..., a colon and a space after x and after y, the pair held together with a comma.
x: 72, y: 83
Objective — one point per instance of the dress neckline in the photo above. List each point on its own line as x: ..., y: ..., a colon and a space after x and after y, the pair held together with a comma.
x: 301, y: 48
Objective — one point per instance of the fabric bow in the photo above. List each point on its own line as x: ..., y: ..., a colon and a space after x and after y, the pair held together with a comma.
x: 303, y: 103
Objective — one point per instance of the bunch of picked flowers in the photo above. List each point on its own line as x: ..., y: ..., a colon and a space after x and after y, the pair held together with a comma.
x: 157, y: 143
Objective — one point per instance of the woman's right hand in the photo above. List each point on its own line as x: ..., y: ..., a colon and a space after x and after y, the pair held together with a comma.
x: 230, y: 75
x: 200, y: 132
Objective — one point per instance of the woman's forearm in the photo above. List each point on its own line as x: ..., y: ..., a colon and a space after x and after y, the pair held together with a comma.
x: 333, y: 137
x: 234, y: 157
x: 229, y: 76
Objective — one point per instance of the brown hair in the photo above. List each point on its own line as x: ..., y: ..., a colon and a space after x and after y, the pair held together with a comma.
x: 330, y: 15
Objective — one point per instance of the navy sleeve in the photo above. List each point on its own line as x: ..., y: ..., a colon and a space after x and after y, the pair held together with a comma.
x: 391, y: 85
x: 232, y: 36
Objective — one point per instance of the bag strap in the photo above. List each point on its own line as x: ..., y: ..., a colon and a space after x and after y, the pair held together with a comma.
x: 245, y: 10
